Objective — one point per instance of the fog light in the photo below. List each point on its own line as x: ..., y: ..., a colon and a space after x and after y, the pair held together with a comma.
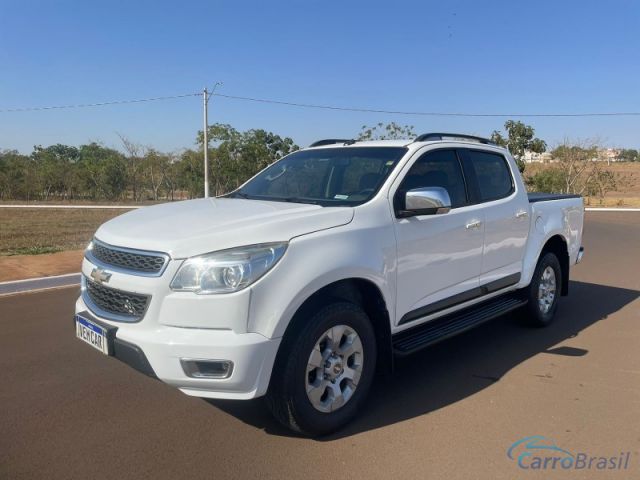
x: 196, y: 368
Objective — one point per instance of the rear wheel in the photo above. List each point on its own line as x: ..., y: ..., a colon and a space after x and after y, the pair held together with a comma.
x: 544, y: 290
x: 323, y: 375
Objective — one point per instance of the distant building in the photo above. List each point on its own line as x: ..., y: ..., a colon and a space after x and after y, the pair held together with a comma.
x: 608, y: 155
x: 604, y: 155
x: 533, y: 157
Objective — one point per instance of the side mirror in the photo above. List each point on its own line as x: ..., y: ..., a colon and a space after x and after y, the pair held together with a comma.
x: 426, y: 201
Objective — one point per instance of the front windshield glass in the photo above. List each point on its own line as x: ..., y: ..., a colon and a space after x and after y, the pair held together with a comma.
x: 325, y: 176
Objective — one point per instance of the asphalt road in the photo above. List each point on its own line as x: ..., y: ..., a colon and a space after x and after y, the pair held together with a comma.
x: 66, y: 411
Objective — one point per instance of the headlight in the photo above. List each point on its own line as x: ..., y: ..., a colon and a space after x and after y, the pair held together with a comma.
x: 227, y: 270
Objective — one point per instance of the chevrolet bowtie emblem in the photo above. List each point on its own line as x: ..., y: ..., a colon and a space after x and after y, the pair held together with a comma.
x: 100, y: 275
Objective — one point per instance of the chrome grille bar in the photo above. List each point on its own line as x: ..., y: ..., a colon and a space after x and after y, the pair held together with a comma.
x: 127, y: 260
x: 114, y: 304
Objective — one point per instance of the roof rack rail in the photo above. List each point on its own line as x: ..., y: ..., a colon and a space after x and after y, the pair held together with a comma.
x: 425, y: 137
x: 331, y: 141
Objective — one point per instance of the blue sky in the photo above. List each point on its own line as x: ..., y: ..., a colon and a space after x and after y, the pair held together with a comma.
x: 460, y: 56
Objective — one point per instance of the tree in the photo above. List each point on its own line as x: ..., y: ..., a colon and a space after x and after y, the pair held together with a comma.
x: 154, y: 167
x: 134, y: 165
x: 390, y: 131
x: 601, y: 181
x: 237, y: 156
x: 629, y: 155
x: 550, y: 180
x: 191, y: 173
x: 575, y: 169
x: 103, y: 171
x: 520, y: 139
x: 172, y: 176
x: 15, y: 169
x: 575, y: 161
x: 56, y: 169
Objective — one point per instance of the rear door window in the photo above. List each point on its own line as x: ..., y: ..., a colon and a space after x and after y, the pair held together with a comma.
x: 491, y: 174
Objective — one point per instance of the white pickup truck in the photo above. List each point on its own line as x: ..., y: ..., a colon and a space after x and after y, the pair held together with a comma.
x: 315, y: 273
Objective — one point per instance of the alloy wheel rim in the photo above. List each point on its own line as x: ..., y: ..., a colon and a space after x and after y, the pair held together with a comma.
x: 334, y: 368
x: 547, y: 290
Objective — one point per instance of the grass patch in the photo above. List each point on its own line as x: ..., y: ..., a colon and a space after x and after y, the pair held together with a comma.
x: 35, y: 250
x: 26, y: 231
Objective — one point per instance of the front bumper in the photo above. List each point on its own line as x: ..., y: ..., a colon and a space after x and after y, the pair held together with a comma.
x: 157, y: 350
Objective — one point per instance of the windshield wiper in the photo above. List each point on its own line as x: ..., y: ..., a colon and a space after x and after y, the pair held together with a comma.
x: 296, y: 200
x: 272, y: 199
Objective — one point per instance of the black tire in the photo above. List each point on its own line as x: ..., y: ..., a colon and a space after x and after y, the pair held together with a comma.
x: 287, y: 397
x: 536, y: 314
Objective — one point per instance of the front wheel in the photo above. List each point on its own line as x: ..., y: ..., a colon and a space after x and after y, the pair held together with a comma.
x: 323, y: 375
x: 544, y: 290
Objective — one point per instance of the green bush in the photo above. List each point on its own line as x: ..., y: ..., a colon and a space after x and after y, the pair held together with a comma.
x: 550, y: 180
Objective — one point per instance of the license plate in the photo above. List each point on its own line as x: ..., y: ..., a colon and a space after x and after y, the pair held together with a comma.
x: 93, y: 334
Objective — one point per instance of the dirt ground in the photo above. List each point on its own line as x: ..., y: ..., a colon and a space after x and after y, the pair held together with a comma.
x: 19, y: 267
x: 29, y: 231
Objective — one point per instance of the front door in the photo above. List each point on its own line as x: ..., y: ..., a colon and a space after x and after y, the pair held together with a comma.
x: 439, y: 256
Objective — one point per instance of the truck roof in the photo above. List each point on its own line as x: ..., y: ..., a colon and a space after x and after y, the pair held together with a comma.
x: 362, y: 143
x: 419, y: 141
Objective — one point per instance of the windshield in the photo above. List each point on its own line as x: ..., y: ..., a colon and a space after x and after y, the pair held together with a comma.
x: 326, y: 176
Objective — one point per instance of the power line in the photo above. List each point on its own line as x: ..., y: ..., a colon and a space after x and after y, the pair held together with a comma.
x: 327, y: 107
x: 432, y: 114
x: 100, y: 104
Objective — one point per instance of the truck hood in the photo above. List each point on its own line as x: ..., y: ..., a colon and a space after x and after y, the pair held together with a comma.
x: 194, y: 227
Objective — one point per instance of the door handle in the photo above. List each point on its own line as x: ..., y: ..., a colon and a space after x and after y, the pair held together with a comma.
x: 522, y: 214
x: 474, y: 224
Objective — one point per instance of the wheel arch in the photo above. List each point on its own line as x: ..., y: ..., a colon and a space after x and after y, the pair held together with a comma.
x: 360, y: 291
x: 557, y: 245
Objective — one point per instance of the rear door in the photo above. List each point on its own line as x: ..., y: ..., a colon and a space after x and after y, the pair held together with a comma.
x: 439, y: 256
x: 505, y: 214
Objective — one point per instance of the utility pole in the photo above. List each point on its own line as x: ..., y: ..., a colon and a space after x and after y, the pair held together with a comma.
x: 205, y: 100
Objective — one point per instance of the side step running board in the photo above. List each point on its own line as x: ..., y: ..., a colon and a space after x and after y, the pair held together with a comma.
x: 431, y: 332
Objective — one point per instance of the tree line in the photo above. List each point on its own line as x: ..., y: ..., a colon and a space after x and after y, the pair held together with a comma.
x: 138, y: 173
x: 94, y: 172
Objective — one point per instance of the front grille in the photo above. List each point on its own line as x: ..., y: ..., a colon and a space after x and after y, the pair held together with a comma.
x: 135, y: 261
x: 114, y: 304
